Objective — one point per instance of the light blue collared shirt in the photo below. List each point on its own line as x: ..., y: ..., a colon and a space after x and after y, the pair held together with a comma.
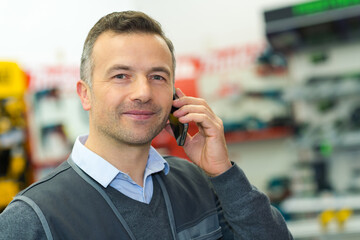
x: 106, y: 174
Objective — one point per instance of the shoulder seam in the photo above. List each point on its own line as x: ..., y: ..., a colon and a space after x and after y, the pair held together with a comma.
x: 43, y: 180
x: 38, y: 212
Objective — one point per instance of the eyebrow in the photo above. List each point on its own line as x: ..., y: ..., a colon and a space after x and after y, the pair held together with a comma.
x: 161, y: 69
x: 116, y: 68
x: 128, y: 68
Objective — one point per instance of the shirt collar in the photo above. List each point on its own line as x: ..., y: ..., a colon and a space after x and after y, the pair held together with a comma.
x: 101, y: 170
x: 156, y: 162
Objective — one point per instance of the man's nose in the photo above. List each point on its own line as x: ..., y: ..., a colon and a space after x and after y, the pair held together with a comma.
x: 141, y: 91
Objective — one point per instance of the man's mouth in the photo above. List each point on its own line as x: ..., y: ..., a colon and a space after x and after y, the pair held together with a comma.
x: 139, y: 114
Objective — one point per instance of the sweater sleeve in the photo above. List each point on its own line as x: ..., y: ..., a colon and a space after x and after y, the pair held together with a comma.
x: 246, y: 212
x: 19, y: 221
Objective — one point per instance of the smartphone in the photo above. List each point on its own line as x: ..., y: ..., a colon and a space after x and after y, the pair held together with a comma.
x: 179, y: 129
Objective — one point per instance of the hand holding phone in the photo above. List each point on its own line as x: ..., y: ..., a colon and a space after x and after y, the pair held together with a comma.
x: 207, y: 148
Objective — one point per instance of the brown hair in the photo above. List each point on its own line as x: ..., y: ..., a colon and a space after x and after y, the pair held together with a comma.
x: 119, y: 22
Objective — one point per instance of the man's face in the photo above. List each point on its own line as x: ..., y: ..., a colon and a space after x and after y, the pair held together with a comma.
x: 131, y: 96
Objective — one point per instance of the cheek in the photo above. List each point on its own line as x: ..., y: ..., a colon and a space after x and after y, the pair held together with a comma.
x: 105, y: 101
x: 166, y: 100
x: 168, y: 106
x: 111, y: 94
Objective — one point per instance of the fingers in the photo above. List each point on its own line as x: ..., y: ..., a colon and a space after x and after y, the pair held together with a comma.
x: 186, y: 109
x: 179, y: 92
x: 185, y: 100
x: 197, y: 110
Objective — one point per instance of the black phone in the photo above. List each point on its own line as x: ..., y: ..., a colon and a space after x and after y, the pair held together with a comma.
x: 179, y: 129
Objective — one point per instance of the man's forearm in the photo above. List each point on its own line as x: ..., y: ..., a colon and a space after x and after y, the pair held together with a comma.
x: 247, y: 210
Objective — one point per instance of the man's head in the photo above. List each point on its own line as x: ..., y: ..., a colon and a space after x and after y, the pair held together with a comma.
x: 127, y: 79
x: 121, y: 23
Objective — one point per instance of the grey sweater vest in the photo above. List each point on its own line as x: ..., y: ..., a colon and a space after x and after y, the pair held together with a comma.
x: 71, y: 205
x: 146, y: 221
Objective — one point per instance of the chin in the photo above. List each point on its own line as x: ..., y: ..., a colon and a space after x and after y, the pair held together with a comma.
x: 139, y: 142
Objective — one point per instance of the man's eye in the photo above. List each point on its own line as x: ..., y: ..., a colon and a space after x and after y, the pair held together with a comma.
x: 158, y: 77
x: 120, y: 76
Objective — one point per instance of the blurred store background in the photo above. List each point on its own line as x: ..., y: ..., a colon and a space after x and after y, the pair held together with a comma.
x: 283, y: 75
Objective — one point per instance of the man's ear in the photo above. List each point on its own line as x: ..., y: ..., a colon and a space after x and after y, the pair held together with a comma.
x: 84, y: 93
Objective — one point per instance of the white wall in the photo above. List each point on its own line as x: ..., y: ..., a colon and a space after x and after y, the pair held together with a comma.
x: 200, y: 25
x: 43, y: 32
x: 51, y: 31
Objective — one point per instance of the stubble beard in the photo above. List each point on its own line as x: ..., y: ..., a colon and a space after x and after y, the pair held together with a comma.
x: 111, y: 128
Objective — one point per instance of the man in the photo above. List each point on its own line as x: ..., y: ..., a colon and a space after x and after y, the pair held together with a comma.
x: 115, y: 185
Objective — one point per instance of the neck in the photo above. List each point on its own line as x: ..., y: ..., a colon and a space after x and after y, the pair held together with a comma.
x: 130, y: 159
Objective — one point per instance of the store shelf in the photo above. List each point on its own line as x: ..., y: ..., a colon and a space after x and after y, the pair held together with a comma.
x: 12, y: 138
x: 256, y: 135
x: 306, y: 224
x: 163, y: 140
x: 311, y: 229
x: 318, y: 204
